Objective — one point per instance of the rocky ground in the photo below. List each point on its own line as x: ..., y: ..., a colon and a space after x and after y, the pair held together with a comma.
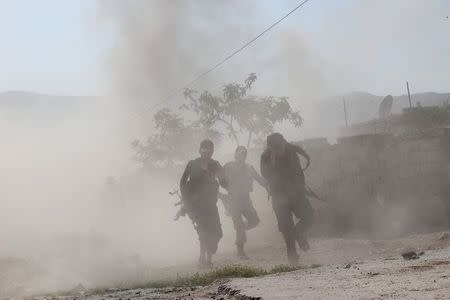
x: 341, y: 269
x: 427, y: 277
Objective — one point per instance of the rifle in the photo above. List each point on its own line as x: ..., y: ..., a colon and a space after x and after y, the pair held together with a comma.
x: 175, y: 192
x: 182, y: 211
x: 311, y: 193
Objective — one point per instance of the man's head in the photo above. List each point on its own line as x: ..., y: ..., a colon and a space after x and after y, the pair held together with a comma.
x: 206, y: 149
x: 276, y: 143
x: 240, y: 155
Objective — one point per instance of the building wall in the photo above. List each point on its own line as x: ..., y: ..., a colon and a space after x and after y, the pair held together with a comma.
x: 381, y: 183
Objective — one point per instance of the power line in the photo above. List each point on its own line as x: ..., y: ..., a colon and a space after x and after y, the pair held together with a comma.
x: 214, y: 67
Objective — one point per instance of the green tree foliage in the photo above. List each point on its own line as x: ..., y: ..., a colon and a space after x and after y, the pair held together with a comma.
x: 240, y: 113
x: 173, y: 141
x: 235, y: 112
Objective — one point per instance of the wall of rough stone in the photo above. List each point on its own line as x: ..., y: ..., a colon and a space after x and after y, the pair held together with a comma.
x: 379, y: 183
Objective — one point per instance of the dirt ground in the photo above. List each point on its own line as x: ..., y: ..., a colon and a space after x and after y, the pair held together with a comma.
x: 334, y: 269
x: 391, y: 278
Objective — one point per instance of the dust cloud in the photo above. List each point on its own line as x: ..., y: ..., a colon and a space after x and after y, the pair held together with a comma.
x: 55, y: 218
x: 162, y: 46
x: 58, y: 227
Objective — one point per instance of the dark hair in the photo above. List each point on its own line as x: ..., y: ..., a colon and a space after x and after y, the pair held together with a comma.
x: 240, y: 149
x: 275, y: 139
x: 207, y: 143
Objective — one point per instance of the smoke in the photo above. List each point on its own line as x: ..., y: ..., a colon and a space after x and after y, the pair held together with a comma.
x: 52, y: 211
x: 54, y: 164
x: 56, y: 228
x: 59, y: 227
x: 161, y: 46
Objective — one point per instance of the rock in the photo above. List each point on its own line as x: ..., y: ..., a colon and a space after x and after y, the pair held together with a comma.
x: 348, y: 266
x: 408, y: 255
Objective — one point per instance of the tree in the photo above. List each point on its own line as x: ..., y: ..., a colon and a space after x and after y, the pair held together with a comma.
x: 240, y: 113
x: 173, y: 141
x: 235, y: 112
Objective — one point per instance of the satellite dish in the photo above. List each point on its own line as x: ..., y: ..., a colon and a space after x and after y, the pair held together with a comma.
x: 385, y: 107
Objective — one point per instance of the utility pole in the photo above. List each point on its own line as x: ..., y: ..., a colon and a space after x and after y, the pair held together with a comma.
x: 345, y: 112
x: 409, y: 95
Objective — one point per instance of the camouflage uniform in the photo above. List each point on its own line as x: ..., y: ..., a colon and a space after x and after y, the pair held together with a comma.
x: 240, y: 177
x: 199, y: 188
x: 287, y: 186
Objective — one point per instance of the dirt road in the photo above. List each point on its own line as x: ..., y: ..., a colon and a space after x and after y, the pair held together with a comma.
x: 392, y: 278
x: 344, y: 269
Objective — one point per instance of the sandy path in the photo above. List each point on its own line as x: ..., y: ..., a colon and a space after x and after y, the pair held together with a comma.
x: 349, y: 269
x: 425, y: 278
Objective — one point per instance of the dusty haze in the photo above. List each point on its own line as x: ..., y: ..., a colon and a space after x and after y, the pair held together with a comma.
x: 52, y: 213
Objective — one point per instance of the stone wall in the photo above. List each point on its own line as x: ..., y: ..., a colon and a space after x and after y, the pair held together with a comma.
x: 378, y: 182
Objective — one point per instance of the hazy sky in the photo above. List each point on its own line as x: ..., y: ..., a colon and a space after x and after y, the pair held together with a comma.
x: 59, y: 46
x: 51, y: 46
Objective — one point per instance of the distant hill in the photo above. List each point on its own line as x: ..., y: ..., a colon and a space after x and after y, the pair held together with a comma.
x: 34, y: 106
x: 29, y: 100
x: 326, y: 116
